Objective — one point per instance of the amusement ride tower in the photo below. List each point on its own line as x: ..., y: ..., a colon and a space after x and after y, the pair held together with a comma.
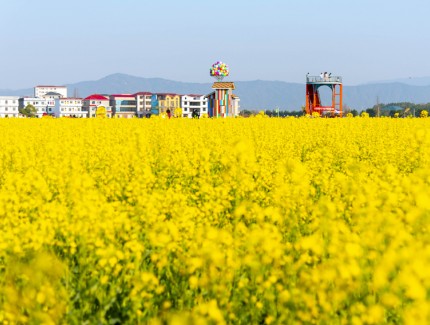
x: 313, y: 99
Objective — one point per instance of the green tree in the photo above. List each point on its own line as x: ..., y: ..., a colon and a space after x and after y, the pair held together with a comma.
x: 28, y: 111
x: 355, y: 112
x: 370, y: 112
x: 245, y: 113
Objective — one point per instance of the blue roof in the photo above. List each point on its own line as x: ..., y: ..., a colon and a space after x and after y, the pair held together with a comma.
x: 392, y: 108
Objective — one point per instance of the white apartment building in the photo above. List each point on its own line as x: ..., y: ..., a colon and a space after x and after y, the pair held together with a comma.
x: 192, y: 102
x: 9, y: 106
x: 91, y: 103
x: 41, y: 91
x: 43, y: 106
x: 143, y: 103
x: 69, y: 107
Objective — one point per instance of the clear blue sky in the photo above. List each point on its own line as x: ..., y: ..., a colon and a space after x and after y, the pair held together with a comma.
x: 58, y: 42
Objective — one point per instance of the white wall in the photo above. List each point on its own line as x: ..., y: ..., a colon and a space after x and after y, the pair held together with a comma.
x: 69, y: 107
x: 236, y: 106
x: 188, y: 103
x: 9, y: 106
x: 143, y: 104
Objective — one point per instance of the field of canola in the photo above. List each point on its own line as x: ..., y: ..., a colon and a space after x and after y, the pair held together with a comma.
x: 241, y: 221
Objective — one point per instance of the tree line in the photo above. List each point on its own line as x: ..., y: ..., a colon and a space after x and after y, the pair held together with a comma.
x: 401, y: 109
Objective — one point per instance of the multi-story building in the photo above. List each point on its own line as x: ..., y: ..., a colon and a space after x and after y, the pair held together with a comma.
x: 191, y: 103
x: 69, y: 107
x: 9, y: 106
x: 41, y: 91
x: 143, y: 103
x: 91, y: 103
x: 168, y: 101
x: 123, y: 105
x: 43, y: 106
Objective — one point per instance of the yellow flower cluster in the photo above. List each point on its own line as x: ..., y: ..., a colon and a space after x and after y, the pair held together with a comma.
x: 229, y: 221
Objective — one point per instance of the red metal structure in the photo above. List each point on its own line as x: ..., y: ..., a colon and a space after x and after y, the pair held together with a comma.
x: 313, y: 99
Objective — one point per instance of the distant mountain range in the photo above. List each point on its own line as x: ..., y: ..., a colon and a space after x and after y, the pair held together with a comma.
x: 413, y: 81
x: 255, y: 95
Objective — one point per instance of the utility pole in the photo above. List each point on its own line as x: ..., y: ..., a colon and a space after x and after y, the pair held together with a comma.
x: 378, y: 108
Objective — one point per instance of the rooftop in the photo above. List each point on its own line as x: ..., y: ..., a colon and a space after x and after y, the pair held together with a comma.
x: 96, y: 97
x: 52, y: 93
x: 50, y: 86
x: 223, y: 85
x: 142, y: 93
x: 122, y: 95
x: 167, y: 94
x: 392, y: 108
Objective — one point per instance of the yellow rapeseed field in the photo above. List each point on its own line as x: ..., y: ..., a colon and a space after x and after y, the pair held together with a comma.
x: 229, y: 221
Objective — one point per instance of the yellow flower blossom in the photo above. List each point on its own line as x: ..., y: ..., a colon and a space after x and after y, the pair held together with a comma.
x: 215, y: 221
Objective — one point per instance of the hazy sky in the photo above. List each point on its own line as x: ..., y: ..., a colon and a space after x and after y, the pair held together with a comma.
x: 58, y: 42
